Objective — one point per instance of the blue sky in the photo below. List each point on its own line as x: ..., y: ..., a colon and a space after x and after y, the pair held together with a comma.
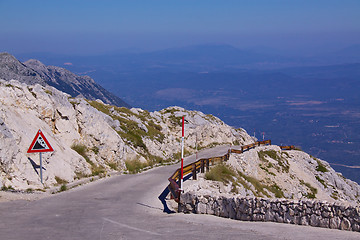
x: 87, y: 26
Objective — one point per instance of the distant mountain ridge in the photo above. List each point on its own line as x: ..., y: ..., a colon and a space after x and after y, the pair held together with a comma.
x: 194, y: 58
x: 33, y: 71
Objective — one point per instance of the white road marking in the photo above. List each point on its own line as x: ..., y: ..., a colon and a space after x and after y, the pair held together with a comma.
x: 130, y: 227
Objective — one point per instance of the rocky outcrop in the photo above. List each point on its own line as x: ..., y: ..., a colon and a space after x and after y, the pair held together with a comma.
x: 92, y: 138
x: 33, y: 71
x: 268, y: 171
x: 301, y: 212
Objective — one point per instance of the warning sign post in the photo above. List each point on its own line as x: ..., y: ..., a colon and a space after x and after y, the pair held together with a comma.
x: 40, y: 144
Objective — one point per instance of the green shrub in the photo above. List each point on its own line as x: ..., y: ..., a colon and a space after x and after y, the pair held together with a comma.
x: 175, y: 120
x: 335, y: 195
x: 135, y: 166
x: 100, y: 107
x: 234, y: 188
x: 220, y: 173
x: 177, y: 156
x: 276, y: 190
x: 31, y: 91
x: 133, y: 137
x: 210, y: 117
x: 259, y: 187
x: 265, y: 168
x: 95, y: 149
x: 313, y: 191
x: 48, y: 92
x: 321, y: 181
x: 97, y: 170
x: 40, y: 190
x: 282, y: 162
x: 60, y: 181
x: 270, y: 153
x: 154, y: 159
x: 321, y: 167
x: 79, y: 175
x: 63, y: 188
x: 7, y: 188
x: 80, y: 149
x: 171, y: 111
x: 154, y: 131
x: 113, y: 166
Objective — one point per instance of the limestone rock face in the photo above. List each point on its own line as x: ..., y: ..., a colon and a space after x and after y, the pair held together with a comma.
x: 90, y: 137
x: 268, y: 171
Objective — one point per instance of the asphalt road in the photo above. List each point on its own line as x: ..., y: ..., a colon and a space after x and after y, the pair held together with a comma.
x: 127, y: 207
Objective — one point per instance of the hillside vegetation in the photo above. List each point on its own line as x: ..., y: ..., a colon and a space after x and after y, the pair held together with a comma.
x: 91, y: 138
x: 269, y: 172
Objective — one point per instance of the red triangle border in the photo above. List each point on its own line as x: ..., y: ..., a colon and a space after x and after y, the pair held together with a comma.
x: 30, y: 150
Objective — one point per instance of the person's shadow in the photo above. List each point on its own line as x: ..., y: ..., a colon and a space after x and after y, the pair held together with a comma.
x: 35, y: 166
x: 162, y: 198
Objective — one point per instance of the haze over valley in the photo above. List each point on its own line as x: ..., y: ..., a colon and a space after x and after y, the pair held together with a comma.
x: 310, y: 102
x: 144, y: 110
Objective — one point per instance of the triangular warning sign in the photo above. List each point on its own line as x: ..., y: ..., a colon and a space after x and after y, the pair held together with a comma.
x: 40, y: 144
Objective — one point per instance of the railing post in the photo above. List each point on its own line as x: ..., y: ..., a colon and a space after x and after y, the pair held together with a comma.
x: 207, y: 165
x: 194, y: 171
x: 202, y: 166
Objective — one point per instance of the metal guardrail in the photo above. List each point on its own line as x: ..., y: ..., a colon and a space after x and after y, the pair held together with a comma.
x: 291, y: 147
x: 204, y: 164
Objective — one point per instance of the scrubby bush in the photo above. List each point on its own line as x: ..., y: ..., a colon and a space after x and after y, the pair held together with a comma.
x: 135, y: 166
x: 221, y: 173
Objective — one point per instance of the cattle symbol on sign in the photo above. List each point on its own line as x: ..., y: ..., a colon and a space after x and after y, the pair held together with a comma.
x: 40, y: 144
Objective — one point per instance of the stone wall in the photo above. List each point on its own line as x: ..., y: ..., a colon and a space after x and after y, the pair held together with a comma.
x: 303, y: 212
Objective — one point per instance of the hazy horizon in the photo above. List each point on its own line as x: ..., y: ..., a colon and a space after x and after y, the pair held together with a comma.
x: 94, y: 27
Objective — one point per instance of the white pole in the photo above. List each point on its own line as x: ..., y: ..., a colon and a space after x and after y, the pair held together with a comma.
x: 41, y: 178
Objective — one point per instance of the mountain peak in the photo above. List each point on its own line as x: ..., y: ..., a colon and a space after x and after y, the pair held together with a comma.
x: 34, y: 62
x: 11, y: 68
x: 5, y: 54
x: 7, y: 58
x: 35, y: 72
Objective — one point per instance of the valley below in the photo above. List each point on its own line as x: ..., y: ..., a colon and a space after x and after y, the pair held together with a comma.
x: 315, y: 112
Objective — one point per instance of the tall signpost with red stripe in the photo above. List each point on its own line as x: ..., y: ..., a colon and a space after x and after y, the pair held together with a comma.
x: 182, y: 157
x: 40, y: 144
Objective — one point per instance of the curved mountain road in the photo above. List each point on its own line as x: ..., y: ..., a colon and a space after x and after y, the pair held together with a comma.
x: 127, y: 207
